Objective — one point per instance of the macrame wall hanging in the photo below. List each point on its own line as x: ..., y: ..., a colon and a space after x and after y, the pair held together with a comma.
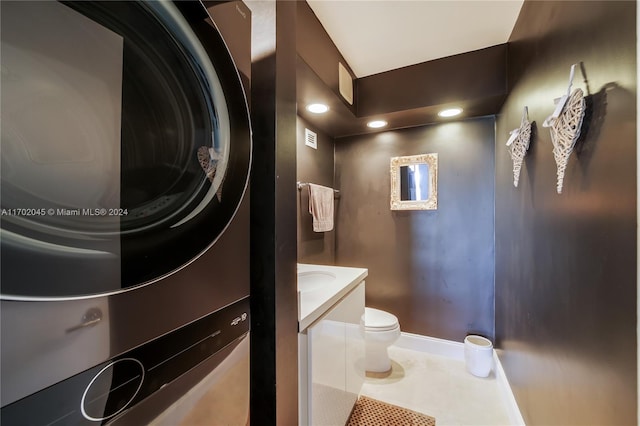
x: 518, y: 144
x: 565, y: 124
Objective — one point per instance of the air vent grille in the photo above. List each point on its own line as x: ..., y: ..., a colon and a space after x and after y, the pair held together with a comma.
x: 345, y: 83
x: 310, y: 139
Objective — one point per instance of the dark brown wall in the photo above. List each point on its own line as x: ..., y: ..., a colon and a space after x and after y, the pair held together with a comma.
x: 463, y: 78
x: 274, y: 305
x: 566, y: 264
x: 432, y: 269
x: 315, y: 166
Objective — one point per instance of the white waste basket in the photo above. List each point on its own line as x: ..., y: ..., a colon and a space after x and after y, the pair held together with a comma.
x: 478, y: 355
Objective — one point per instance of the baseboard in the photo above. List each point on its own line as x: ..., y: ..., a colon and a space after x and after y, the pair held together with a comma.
x: 515, y: 416
x: 455, y: 350
x: 432, y: 345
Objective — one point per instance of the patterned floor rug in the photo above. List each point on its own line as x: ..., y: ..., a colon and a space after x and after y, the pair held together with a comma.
x: 370, y: 412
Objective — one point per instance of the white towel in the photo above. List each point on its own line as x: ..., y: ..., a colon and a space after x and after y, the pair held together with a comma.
x: 321, y: 207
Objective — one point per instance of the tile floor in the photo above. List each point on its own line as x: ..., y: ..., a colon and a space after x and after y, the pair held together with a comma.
x: 439, y: 387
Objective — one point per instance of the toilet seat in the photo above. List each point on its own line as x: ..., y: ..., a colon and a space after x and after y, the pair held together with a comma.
x: 377, y: 320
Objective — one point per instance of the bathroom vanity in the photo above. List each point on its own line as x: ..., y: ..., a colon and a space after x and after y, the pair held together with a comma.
x: 330, y: 342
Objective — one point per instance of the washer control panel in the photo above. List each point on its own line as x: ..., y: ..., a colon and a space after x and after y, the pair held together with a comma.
x: 104, y: 392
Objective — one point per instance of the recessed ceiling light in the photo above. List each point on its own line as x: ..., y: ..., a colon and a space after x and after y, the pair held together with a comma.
x: 317, y: 108
x: 452, y: 112
x: 376, y: 124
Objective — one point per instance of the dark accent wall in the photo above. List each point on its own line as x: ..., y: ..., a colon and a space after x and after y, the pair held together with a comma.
x: 274, y: 307
x: 471, y: 76
x: 432, y: 269
x: 566, y: 264
x: 315, y: 166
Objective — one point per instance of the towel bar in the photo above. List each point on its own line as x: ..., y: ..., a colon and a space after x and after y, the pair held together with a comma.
x: 301, y: 185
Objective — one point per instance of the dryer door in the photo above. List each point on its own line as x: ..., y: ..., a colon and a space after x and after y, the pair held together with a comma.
x: 126, y: 144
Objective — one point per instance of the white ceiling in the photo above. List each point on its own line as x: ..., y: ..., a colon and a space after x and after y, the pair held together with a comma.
x: 380, y: 35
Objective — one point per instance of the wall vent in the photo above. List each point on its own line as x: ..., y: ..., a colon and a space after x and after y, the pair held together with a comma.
x: 310, y: 139
x: 345, y: 83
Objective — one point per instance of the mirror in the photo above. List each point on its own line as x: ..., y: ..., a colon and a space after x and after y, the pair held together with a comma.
x: 414, y: 182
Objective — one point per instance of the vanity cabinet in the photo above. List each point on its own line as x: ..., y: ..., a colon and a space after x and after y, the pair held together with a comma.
x: 331, y: 356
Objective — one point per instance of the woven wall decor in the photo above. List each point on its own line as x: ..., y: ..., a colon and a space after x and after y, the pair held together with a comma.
x: 565, y: 124
x: 518, y: 144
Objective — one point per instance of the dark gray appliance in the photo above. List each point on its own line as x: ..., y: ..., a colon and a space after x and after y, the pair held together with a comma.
x: 125, y: 157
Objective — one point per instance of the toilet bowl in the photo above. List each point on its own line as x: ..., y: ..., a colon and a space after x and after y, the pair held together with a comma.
x: 381, y: 329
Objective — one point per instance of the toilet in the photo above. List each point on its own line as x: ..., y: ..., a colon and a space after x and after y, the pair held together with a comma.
x: 381, y: 329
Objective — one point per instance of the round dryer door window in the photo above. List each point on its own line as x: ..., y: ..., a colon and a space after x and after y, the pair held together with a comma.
x: 126, y: 144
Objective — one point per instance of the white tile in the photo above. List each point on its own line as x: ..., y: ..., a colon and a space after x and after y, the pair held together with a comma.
x: 439, y: 387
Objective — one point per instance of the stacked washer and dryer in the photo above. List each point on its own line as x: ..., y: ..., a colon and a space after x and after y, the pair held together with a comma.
x: 124, y: 258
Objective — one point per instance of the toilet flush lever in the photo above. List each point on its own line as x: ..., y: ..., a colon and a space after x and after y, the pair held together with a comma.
x: 89, y: 319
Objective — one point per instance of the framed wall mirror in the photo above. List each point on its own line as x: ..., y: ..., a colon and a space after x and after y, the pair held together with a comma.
x: 414, y: 182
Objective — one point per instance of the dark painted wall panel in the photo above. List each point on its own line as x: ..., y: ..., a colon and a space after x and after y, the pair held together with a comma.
x: 432, y: 269
x: 469, y: 76
x: 315, y: 166
x: 566, y: 264
x: 274, y: 307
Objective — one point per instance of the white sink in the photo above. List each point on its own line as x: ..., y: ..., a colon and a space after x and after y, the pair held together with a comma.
x: 322, y: 286
x: 314, y: 280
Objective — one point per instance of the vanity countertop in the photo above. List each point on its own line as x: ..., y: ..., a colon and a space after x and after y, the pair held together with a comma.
x: 315, y: 302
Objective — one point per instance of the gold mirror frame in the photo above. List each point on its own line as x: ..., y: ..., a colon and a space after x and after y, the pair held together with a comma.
x: 429, y: 204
